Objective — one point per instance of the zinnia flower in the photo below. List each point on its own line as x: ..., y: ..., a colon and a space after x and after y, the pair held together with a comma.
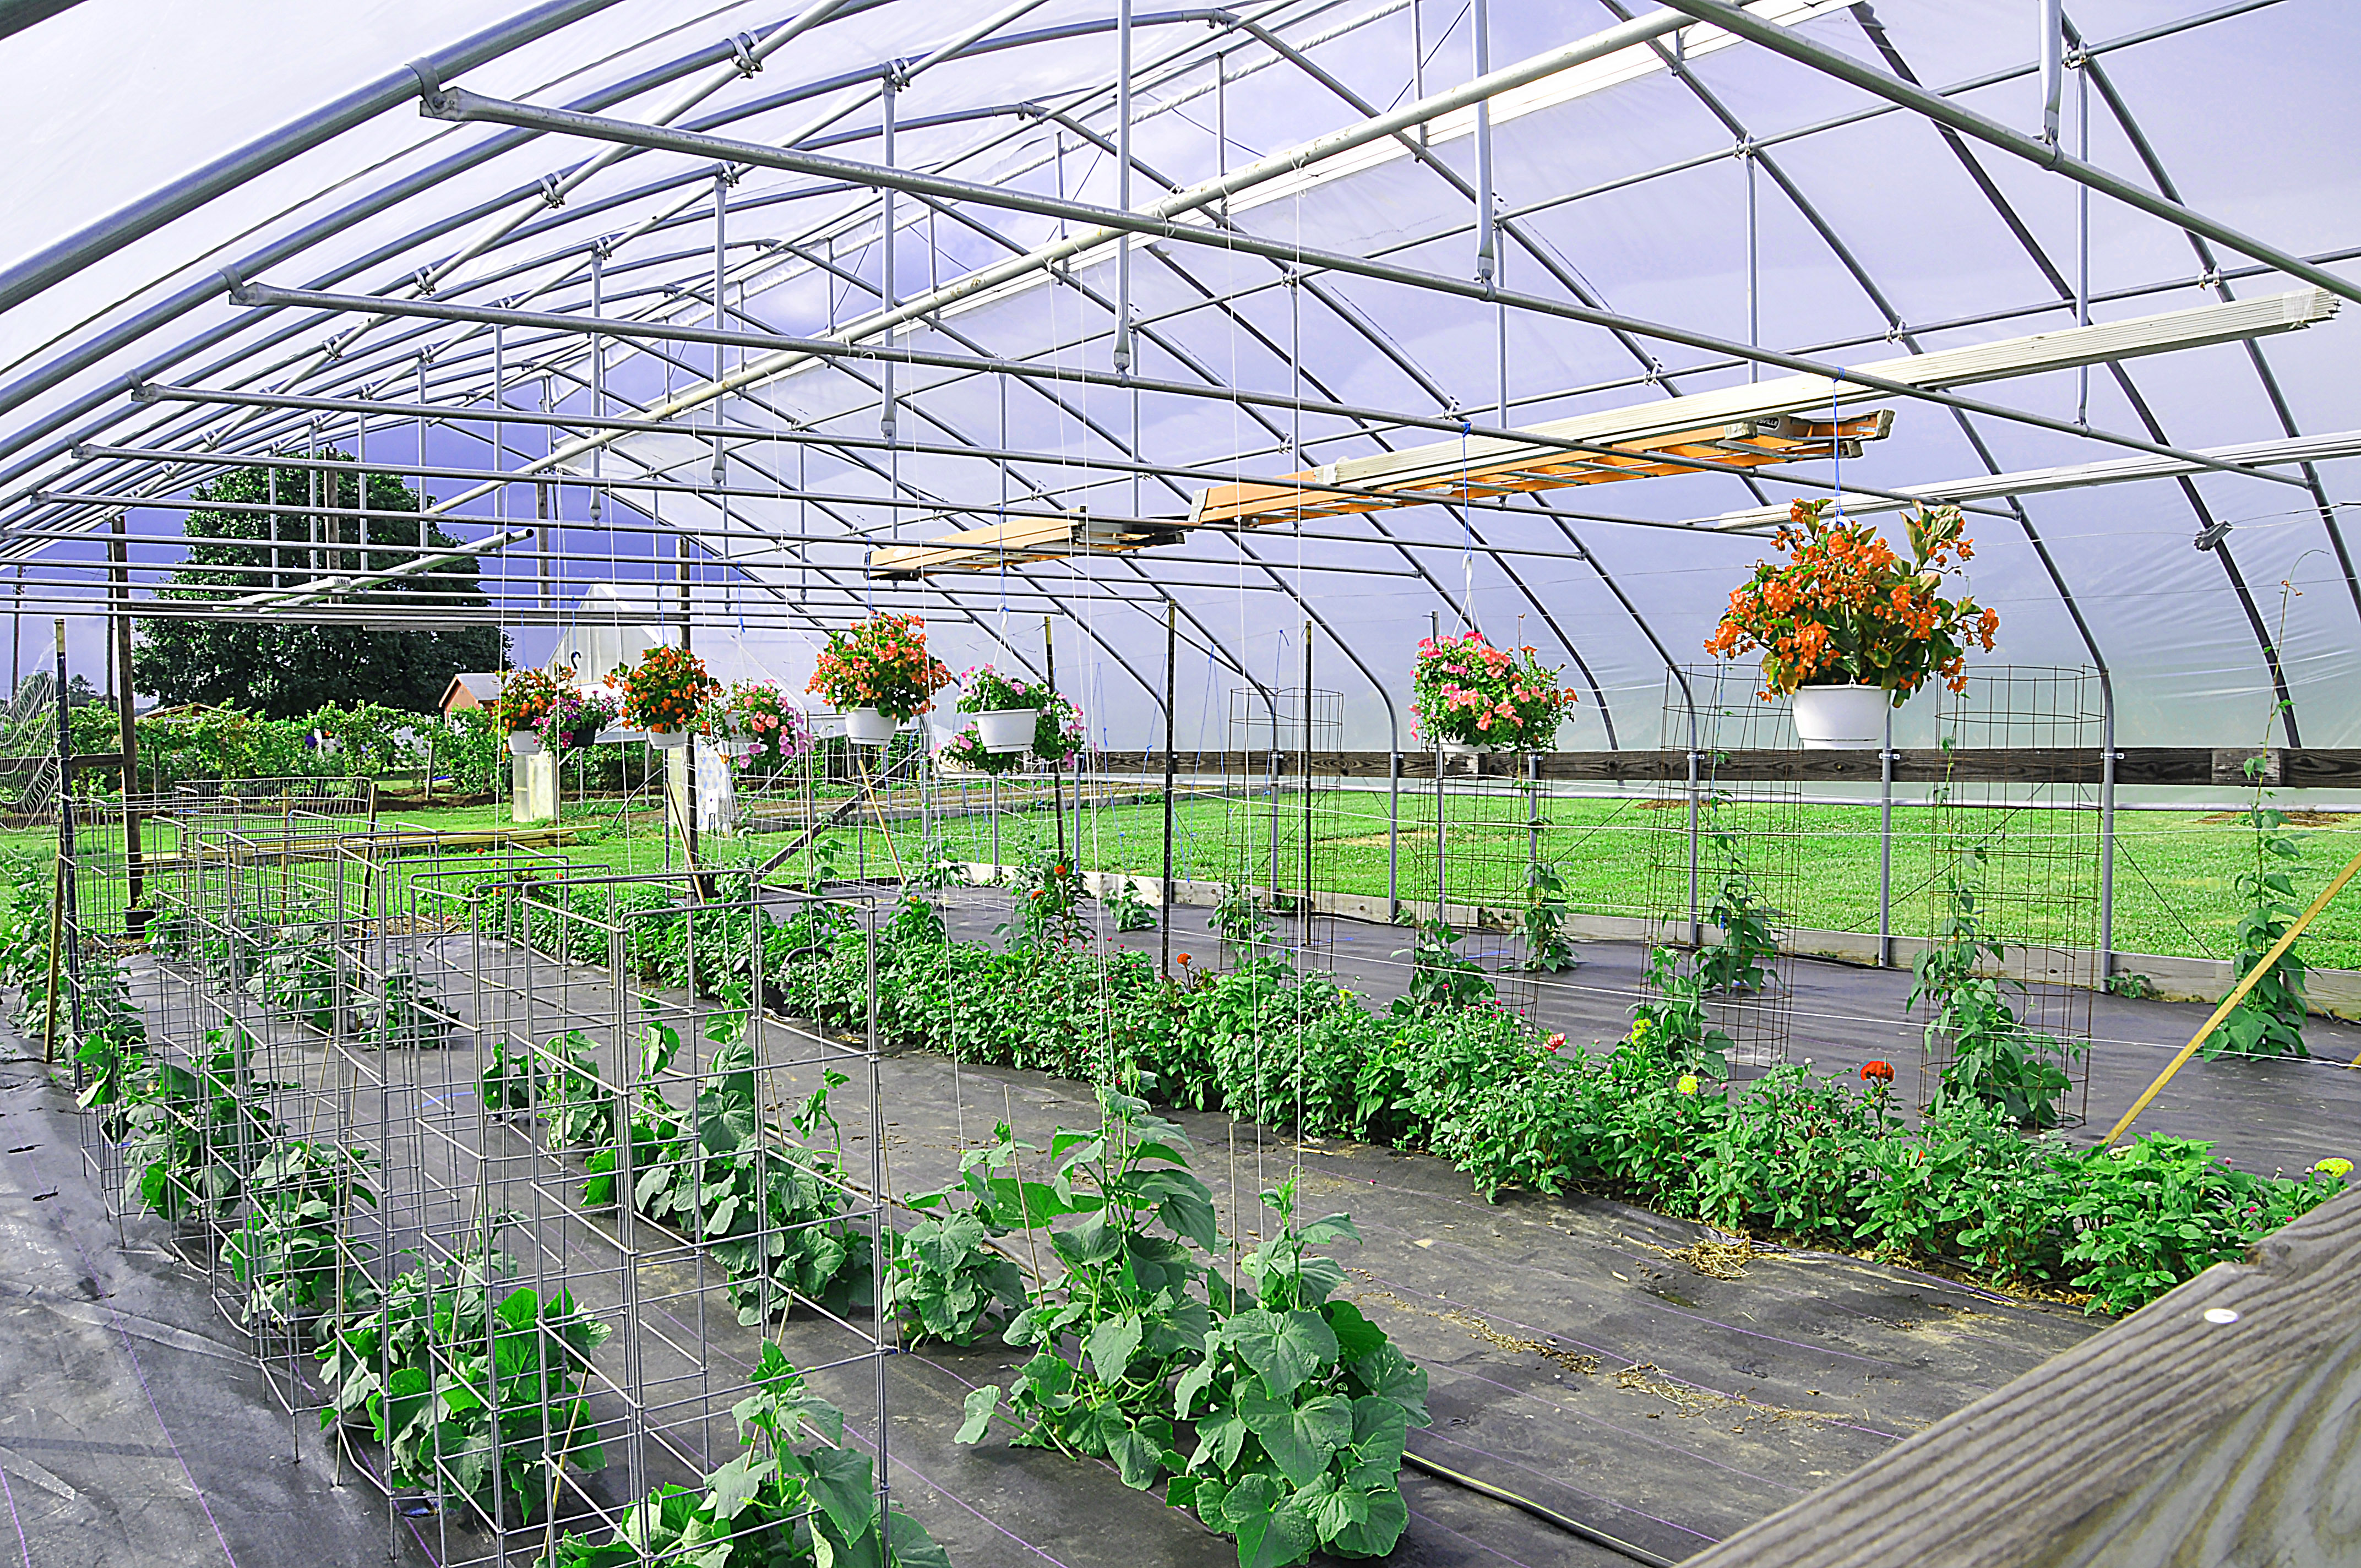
x: 1877, y: 1073
x: 1556, y: 1042
x: 2338, y: 1169
x: 1689, y: 1083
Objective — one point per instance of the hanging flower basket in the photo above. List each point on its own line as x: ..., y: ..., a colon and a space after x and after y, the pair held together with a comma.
x: 665, y: 694
x: 1014, y: 715
x: 763, y: 731
x: 882, y: 664
x: 523, y: 743
x: 1844, y: 615
x: 575, y: 718
x: 1007, y: 730
x: 526, y: 697
x: 869, y: 726
x: 1471, y: 697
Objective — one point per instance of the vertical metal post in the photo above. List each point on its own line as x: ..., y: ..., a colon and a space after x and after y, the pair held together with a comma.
x: 1753, y: 264
x: 134, y: 918
x: 1885, y: 845
x: 1171, y: 683
x: 720, y: 320
x: 548, y: 567
x: 886, y: 200
x: 1418, y: 63
x: 2107, y: 756
x: 598, y: 375
x: 877, y: 1249
x: 1304, y: 781
x: 1050, y: 672
x: 1486, y: 257
x: 1434, y: 634
x: 66, y: 867
x: 1696, y: 922
x: 1122, y: 356
x: 1393, y: 833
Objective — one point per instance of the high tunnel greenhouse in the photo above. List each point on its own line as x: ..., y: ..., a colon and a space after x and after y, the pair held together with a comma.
x: 1721, y: 641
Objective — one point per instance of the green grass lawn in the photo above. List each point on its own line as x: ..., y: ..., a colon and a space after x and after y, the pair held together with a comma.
x: 2173, y: 886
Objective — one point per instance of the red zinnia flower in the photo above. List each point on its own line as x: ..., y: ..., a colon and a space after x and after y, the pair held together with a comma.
x: 1877, y: 1073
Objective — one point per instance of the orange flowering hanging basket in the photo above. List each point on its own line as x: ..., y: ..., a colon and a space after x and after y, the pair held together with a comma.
x: 665, y: 691
x: 1844, y: 609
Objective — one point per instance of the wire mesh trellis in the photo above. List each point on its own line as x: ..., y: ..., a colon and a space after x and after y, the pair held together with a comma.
x: 383, y: 1090
x: 1726, y: 863
x: 1286, y: 810
x: 2015, y: 866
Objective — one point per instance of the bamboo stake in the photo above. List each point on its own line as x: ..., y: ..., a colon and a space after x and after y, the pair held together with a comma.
x: 2238, y: 994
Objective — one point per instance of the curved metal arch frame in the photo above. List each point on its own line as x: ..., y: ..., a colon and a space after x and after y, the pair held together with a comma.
x: 2262, y: 369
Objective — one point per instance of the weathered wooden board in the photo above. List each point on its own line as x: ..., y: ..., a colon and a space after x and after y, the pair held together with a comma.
x: 2175, y: 1438
x: 2181, y: 765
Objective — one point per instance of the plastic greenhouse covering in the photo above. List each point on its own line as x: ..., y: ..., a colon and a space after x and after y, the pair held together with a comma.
x: 1647, y: 214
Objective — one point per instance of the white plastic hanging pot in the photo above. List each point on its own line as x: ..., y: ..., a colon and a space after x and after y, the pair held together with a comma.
x: 1841, y: 718
x: 523, y: 743
x: 1007, y: 730
x: 667, y: 739
x: 867, y: 726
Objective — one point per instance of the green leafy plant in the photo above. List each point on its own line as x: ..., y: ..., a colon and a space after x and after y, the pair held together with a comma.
x: 1049, y: 895
x: 1301, y: 1406
x: 1994, y: 1056
x: 304, y: 976
x: 795, y: 1496
x: 1128, y: 1314
x: 428, y: 1366
x: 400, y: 1012
x: 1131, y: 912
x: 1441, y: 979
x: 288, y: 1250
x: 2127, y: 982
x: 1674, y: 1021
x: 1547, y: 947
x: 194, y: 1136
x: 949, y: 1279
x: 1241, y: 920
x: 2269, y: 1022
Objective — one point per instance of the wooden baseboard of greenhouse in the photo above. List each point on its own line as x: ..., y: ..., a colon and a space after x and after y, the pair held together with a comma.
x: 2332, y: 993
x: 2213, y: 1425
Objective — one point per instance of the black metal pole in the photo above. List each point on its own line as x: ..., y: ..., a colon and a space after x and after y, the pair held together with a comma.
x: 1172, y: 643
x: 1056, y: 795
x: 66, y: 868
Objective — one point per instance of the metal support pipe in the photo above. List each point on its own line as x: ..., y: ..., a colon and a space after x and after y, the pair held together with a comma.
x: 1158, y: 221
x: 2051, y: 53
x: 1393, y: 831
x: 1885, y: 758
x: 1171, y: 652
x: 1795, y: 46
x: 2108, y: 756
x: 1697, y: 918
x: 1486, y: 252
x: 1123, y: 349
x: 149, y: 213
x: 135, y: 916
x: 887, y: 240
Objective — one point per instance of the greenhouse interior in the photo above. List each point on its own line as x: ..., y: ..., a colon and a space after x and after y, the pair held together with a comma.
x: 618, y: 608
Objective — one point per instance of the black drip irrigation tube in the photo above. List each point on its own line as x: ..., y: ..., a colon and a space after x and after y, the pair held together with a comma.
x: 1573, y: 1527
